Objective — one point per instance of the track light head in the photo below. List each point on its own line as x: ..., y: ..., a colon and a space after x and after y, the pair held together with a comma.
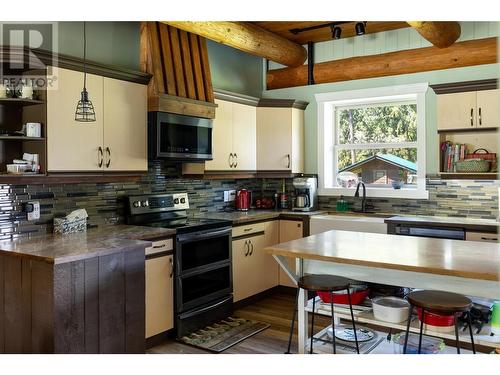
x: 336, y: 31
x: 360, y: 28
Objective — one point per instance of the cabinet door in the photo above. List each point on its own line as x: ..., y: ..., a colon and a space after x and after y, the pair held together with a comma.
x: 159, y: 295
x: 487, y: 109
x: 243, y: 275
x: 245, y: 137
x: 264, y: 267
x: 289, y: 230
x: 482, y: 237
x: 222, y: 136
x: 125, y: 126
x: 72, y: 145
x: 456, y: 111
x: 274, y: 139
x: 297, y: 140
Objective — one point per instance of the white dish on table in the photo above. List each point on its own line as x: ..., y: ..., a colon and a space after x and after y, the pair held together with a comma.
x: 390, y: 309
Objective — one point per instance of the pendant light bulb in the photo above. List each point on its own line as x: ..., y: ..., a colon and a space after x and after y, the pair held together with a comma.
x: 336, y: 32
x: 84, y: 109
x: 360, y: 28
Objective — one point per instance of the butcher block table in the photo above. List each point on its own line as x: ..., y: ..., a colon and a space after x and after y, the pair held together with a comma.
x: 465, y: 267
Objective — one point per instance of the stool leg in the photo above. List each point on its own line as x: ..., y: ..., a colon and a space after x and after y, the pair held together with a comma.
x: 293, y: 321
x: 312, y: 326
x: 353, y: 322
x: 421, y: 331
x: 456, y: 333
x: 333, y: 325
x: 410, y: 312
x: 470, y: 331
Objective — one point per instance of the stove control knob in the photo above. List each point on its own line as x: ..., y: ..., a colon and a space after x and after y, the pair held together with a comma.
x: 137, y: 204
x: 176, y: 201
x: 144, y: 203
x: 183, y: 200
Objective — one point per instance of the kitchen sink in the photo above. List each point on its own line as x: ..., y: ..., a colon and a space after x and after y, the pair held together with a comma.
x: 361, y: 214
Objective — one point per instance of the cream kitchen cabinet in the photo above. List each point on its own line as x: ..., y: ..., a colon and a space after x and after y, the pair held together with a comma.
x: 289, y: 230
x: 468, y: 110
x: 233, y: 138
x: 254, y: 271
x: 72, y: 145
x: 159, y: 288
x: 280, y: 139
x: 125, y: 126
x: 482, y: 237
x: 116, y: 141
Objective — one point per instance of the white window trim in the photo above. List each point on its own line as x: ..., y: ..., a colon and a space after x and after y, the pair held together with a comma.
x: 327, y: 102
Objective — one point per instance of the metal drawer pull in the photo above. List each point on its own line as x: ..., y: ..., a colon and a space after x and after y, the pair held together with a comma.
x: 247, y: 229
x: 159, y: 246
x: 236, y: 163
x: 102, y: 157
x: 489, y: 239
x: 171, y: 262
x: 471, y: 117
x: 480, y: 119
x: 289, y: 160
x: 251, y: 251
x: 247, y: 248
x: 109, y: 157
x: 230, y: 160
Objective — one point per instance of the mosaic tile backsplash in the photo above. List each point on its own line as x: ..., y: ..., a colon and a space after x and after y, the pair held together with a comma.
x: 105, y: 202
x: 454, y: 198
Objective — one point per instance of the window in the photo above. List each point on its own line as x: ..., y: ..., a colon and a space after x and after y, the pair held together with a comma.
x: 378, y: 135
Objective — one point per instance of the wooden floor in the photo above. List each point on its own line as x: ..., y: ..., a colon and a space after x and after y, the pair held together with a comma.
x: 276, y: 309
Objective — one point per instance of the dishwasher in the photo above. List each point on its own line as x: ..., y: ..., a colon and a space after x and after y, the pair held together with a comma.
x: 427, y: 231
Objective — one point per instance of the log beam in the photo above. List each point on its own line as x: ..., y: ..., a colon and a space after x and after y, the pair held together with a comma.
x: 440, y: 34
x: 249, y: 38
x: 468, y: 53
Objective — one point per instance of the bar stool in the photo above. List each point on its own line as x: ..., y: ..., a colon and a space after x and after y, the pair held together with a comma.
x: 322, y: 283
x: 445, y: 303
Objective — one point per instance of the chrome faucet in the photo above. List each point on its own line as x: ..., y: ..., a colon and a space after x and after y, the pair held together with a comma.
x: 363, y: 200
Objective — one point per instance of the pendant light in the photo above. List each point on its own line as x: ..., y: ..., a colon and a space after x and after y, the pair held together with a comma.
x: 84, y: 109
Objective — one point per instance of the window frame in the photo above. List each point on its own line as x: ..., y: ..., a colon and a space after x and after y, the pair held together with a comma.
x: 327, y: 136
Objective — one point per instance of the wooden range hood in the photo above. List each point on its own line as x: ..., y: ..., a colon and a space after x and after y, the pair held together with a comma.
x: 178, y: 62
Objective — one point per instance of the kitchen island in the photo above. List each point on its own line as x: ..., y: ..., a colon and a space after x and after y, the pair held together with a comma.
x: 75, y: 293
x: 451, y: 265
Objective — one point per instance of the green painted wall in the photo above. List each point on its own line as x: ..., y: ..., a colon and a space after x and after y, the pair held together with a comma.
x: 440, y: 76
x: 235, y: 70
x: 117, y: 43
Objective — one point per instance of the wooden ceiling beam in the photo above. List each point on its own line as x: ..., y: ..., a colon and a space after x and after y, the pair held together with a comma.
x: 249, y: 38
x: 440, y: 34
x: 468, y: 53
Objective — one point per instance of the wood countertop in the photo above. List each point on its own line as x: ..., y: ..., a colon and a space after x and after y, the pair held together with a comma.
x: 475, y: 260
x: 100, y: 241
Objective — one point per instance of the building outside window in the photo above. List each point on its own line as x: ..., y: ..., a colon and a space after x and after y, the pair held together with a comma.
x: 375, y: 135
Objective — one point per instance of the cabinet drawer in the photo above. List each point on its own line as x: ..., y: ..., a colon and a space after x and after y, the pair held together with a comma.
x: 160, y: 246
x: 245, y: 230
x: 481, y: 236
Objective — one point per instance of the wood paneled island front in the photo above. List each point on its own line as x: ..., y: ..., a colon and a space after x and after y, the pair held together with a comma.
x: 470, y: 268
x: 75, y: 293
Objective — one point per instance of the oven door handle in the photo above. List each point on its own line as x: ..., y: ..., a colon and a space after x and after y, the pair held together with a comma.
x: 188, y: 237
x: 207, y: 308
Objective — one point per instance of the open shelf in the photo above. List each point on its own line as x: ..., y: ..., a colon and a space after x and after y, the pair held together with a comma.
x: 20, y: 101
x: 20, y: 138
x: 365, y: 315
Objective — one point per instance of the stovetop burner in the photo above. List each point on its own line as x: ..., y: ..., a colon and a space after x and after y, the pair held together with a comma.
x: 186, y: 225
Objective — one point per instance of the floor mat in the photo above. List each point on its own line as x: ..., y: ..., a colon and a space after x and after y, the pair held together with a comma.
x: 219, y: 336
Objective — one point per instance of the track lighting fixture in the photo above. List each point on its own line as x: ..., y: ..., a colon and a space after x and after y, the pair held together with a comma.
x: 360, y: 28
x: 336, y: 31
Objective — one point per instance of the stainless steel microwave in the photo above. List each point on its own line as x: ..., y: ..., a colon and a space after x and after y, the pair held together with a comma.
x: 179, y: 137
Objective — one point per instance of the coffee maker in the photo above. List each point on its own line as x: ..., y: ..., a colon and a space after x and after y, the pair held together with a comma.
x: 305, y: 194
